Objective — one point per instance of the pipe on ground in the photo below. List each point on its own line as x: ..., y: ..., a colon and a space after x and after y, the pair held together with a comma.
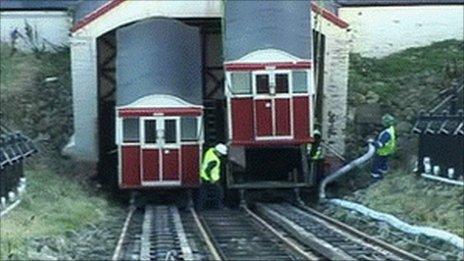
x: 345, y: 169
x: 388, y: 218
x: 401, y: 225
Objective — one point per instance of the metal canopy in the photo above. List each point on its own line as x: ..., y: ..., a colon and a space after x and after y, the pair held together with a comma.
x: 158, y: 56
x: 258, y: 25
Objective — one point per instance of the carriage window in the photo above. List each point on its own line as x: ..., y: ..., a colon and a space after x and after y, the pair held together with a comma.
x: 300, y: 82
x: 170, y: 131
x: 130, y: 129
x: 281, y: 80
x: 189, y: 128
x: 262, y: 84
x: 241, y: 83
x: 150, y: 131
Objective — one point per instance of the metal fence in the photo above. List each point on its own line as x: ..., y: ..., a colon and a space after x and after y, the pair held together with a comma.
x: 441, y: 135
x: 14, y: 148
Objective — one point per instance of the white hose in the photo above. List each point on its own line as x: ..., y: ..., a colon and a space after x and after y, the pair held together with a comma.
x: 445, y: 180
x: 390, y: 219
x: 401, y: 225
x: 345, y: 169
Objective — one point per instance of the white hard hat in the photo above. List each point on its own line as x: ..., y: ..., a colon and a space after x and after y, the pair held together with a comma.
x: 221, y: 148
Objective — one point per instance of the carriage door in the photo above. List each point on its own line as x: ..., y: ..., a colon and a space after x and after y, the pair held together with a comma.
x: 272, y: 105
x: 160, y: 151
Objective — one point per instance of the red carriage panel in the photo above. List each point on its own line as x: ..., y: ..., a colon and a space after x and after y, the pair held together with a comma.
x: 150, y: 165
x: 263, y: 118
x: 190, y: 165
x: 131, y: 166
x: 155, y: 142
x: 171, y: 170
x: 282, y: 117
x: 242, y: 119
x: 301, y: 118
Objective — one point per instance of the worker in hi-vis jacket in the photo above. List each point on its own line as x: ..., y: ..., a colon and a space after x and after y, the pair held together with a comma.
x: 316, y: 157
x: 210, y: 175
x: 385, y: 145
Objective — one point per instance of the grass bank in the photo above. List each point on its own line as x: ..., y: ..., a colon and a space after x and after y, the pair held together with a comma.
x: 62, y: 216
x: 401, y: 84
x: 36, y: 96
x: 416, y: 201
x: 54, y: 206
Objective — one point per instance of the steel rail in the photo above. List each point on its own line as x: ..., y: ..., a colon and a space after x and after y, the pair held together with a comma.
x: 310, y: 239
x: 361, y: 235
x: 117, y: 250
x: 207, y: 239
x: 293, y: 245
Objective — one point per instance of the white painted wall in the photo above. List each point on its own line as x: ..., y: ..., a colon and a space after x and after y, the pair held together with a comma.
x: 52, y: 26
x: 335, y: 88
x: 84, y: 145
x: 379, y: 31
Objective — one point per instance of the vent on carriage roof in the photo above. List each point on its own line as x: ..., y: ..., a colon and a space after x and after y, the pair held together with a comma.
x: 447, y: 118
x: 397, y: 2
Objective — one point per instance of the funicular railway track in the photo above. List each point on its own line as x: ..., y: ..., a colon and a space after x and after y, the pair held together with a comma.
x: 241, y: 235
x: 277, y: 231
x: 333, y: 240
x: 154, y: 233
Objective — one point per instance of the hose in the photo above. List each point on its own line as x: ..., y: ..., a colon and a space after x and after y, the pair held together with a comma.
x: 388, y: 218
x: 345, y: 169
x: 401, y: 225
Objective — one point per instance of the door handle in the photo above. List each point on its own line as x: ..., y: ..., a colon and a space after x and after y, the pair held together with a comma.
x: 268, y: 105
x: 167, y: 151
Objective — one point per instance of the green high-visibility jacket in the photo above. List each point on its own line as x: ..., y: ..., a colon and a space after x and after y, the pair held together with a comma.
x: 210, y: 167
x: 389, y: 147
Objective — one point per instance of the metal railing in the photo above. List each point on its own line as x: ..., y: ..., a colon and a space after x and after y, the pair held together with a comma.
x: 14, y: 148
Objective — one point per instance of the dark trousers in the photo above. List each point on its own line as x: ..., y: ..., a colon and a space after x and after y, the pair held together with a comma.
x: 317, y: 168
x: 210, y: 195
x: 379, y: 166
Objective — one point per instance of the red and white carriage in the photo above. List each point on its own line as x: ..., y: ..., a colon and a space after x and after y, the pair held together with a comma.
x: 268, y: 97
x: 268, y: 54
x: 159, y: 142
x: 159, y: 104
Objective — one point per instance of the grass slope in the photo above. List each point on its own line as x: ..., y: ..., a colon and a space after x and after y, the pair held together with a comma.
x: 53, y: 205
x: 59, y: 207
x: 42, y: 110
x: 401, y: 84
x: 417, y: 201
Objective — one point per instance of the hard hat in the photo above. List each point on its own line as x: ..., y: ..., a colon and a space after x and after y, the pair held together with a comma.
x: 221, y: 148
x: 388, y: 120
x: 317, y: 132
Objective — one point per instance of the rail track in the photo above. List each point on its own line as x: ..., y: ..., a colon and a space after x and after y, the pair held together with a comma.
x: 154, y: 233
x: 330, y: 238
x: 242, y: 235
x: 278, y: 231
